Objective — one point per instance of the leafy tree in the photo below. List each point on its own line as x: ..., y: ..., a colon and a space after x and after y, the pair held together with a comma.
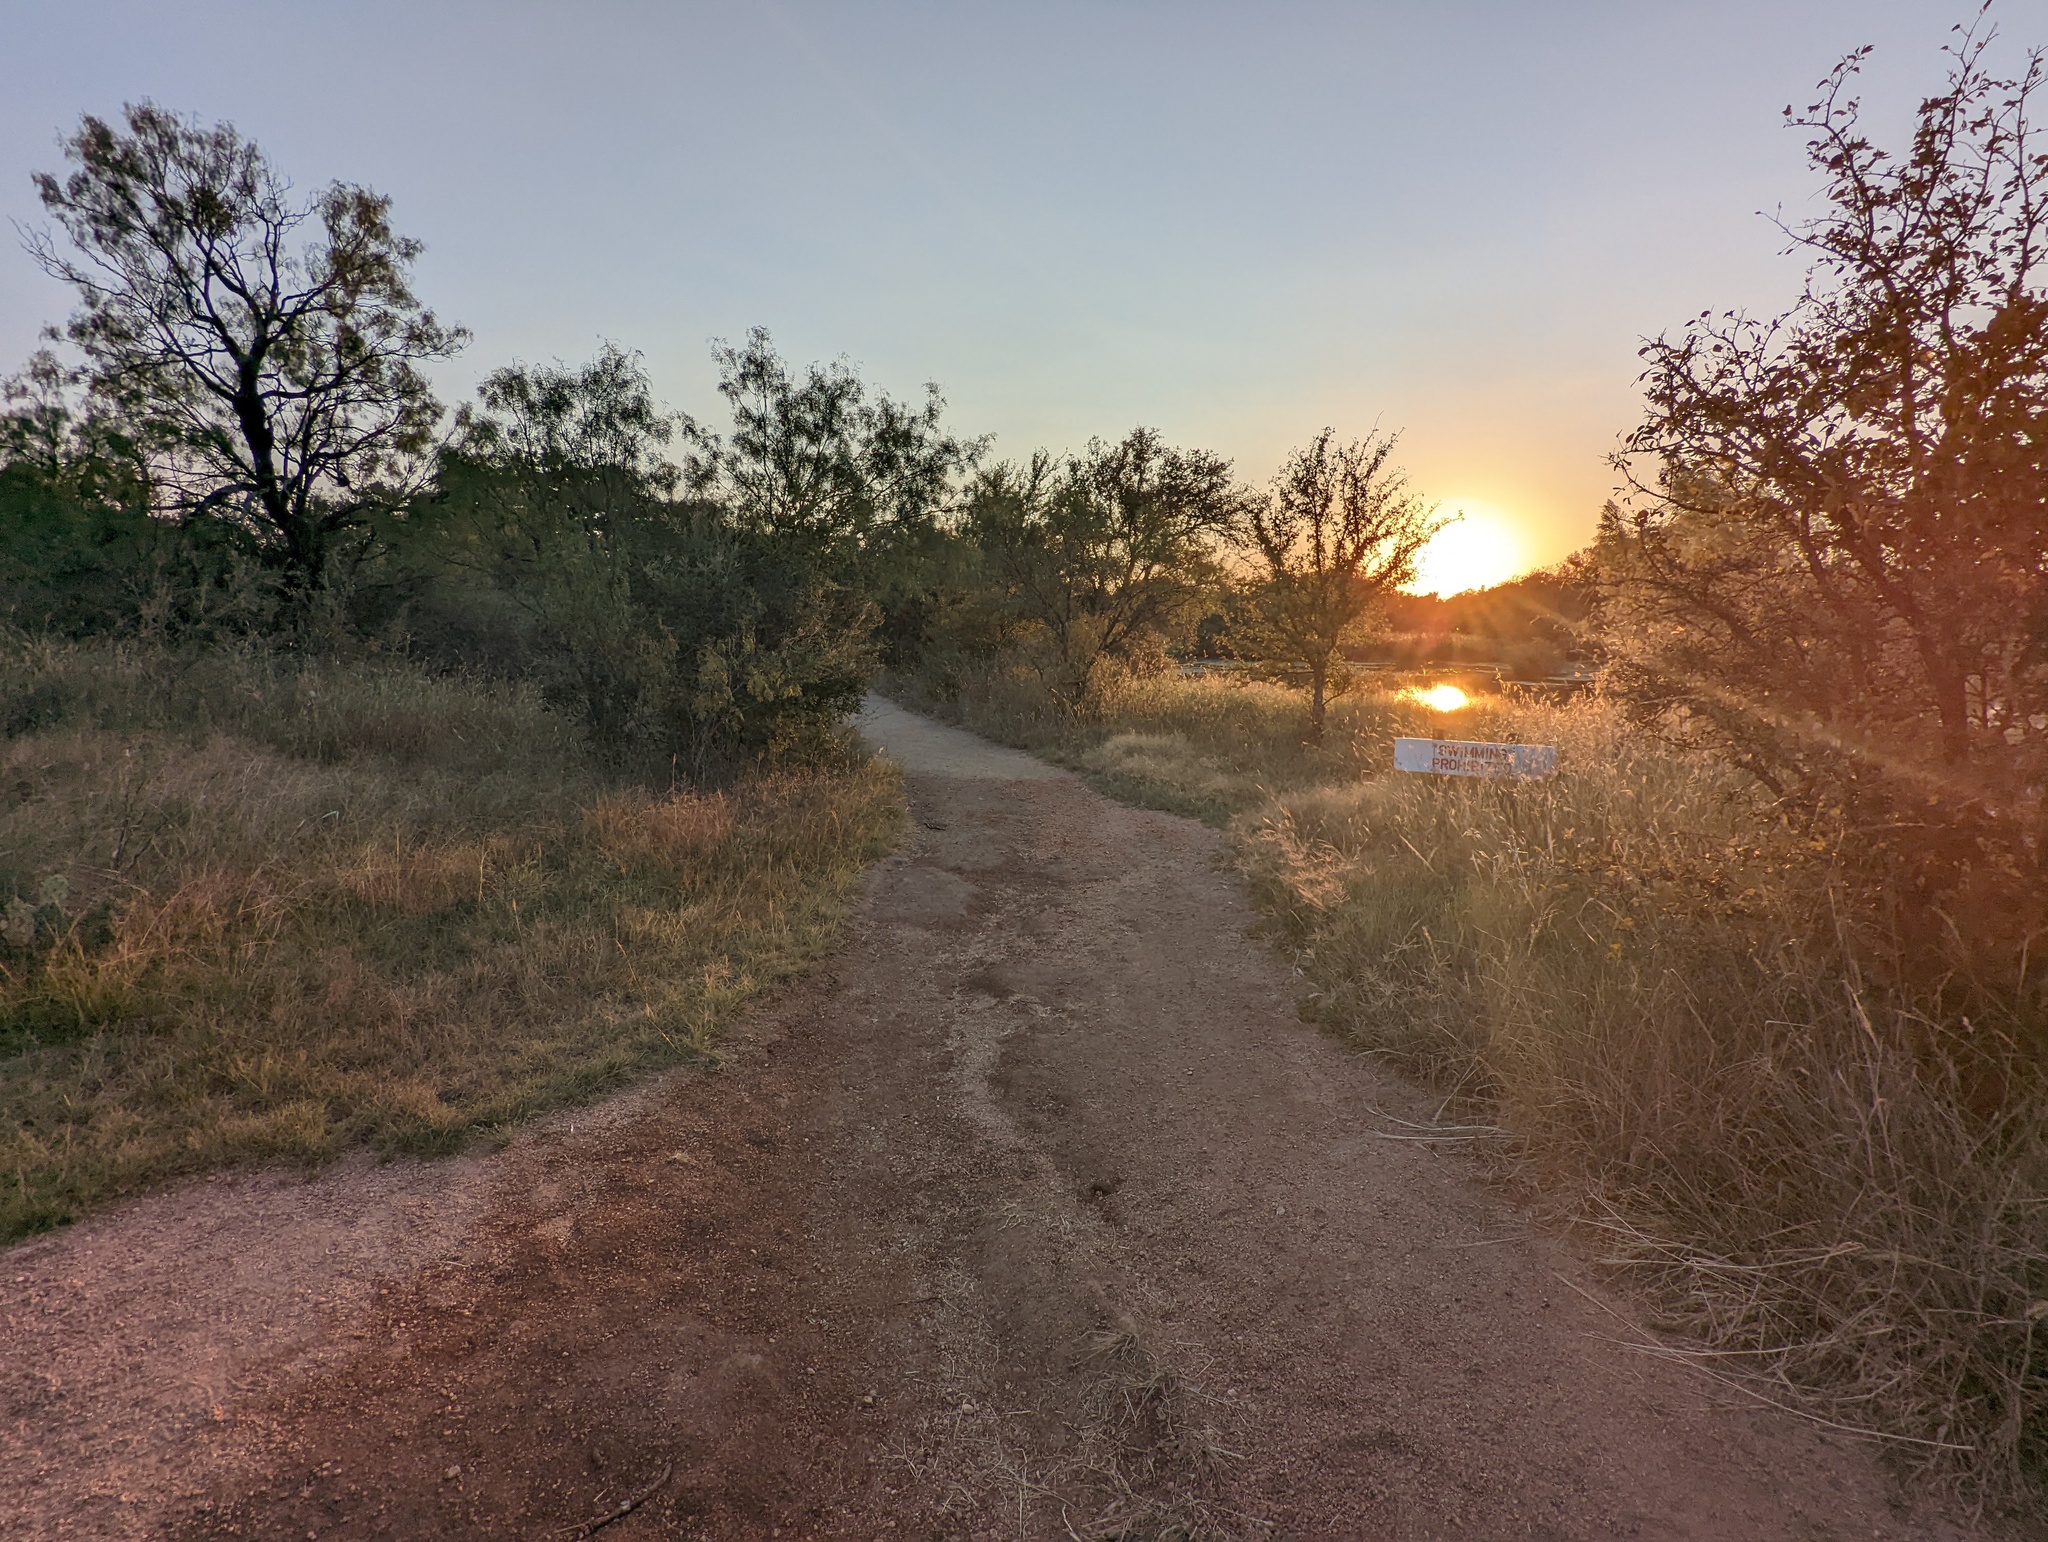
x: 822, y: 461
x: 551, y: 464
x: 263, y: 351
x: 81, y: 551
x: 666, y: 624
x: 37, y: 427
x: 841, y: 479
x: 1095, y: 555
x: 548, y: 496
x: 47, y: 430
x: 1843, y: 547
x: 1338, y: 529
x: 595, y: 432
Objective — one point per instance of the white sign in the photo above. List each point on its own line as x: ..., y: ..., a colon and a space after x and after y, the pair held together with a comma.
x: 1456, y: 757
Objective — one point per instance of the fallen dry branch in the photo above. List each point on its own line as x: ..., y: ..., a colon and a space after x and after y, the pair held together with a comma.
x: 624, y: 1508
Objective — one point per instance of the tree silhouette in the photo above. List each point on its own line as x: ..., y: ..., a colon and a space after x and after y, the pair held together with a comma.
x: 1091, y: 555
x: 262, y: 351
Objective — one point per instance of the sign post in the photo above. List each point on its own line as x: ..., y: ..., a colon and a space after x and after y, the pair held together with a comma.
x: 1459, y: 757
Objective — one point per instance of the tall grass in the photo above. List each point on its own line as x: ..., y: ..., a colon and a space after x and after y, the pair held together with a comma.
x: 1822, y: 1156
x: 259, y: 910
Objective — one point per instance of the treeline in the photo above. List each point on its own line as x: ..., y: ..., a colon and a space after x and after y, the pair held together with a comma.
x: 671, y: 606
x: 1533, y: 627
x: 247, y: 446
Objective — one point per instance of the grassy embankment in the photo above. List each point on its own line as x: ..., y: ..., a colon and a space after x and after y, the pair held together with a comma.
x: 1686, y: 1016
x: 266, y: 911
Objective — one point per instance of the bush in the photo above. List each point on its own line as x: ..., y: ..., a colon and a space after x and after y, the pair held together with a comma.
x: 74, y: 563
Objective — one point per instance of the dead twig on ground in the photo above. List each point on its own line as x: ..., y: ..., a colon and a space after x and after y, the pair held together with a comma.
x: 625, y: 1507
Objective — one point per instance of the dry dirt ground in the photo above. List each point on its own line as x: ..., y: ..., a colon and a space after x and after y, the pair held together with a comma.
x: 1036, y: 1213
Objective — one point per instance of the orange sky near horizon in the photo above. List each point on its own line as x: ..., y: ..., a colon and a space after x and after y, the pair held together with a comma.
x: 1525, y: 456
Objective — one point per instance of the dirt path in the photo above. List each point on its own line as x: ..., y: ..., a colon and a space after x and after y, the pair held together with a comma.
x: 1035, y: 1214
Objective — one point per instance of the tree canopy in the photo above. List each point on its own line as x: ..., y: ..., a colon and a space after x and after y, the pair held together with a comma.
x: 1095, y: 553
x: 820, y: 458
x: 1338, y: 528
x: 1839, y: 536
x: 263, y: 350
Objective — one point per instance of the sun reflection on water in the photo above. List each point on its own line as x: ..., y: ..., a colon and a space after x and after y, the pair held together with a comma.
x: 1444, y: 698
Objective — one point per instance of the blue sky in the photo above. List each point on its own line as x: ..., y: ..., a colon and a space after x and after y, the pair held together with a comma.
x: 1236, y: 223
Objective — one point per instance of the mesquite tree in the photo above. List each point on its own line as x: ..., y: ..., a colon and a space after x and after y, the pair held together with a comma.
x: 1091, y: 556
x: 821, y: 459
x: 263, y: 350
x: 1338, y: 528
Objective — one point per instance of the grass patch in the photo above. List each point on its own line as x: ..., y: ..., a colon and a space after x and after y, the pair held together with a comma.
x: 262, y: 911
x: 1819, y: 1153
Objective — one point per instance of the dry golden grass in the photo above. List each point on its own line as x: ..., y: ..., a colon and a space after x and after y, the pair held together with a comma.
x: 660, y: 836
x: 1822, y: 1156
x: 267, y: 911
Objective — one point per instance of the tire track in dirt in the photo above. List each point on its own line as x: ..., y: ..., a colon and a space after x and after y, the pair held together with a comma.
x: 1035, y: 1213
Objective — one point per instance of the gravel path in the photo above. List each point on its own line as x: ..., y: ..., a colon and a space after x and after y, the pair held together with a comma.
x: 1035, y: 1213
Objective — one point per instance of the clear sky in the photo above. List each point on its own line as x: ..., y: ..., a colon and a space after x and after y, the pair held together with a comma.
x: 1236, y: 223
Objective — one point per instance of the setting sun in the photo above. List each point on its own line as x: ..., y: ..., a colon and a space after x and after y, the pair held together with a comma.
x: 1482, y: 548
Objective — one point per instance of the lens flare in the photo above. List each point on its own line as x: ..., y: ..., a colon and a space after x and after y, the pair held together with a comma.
x: 1443, y: 698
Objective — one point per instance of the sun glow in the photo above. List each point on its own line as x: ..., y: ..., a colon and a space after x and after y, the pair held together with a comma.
x: 1444, y: 698
x: 1481, y: 549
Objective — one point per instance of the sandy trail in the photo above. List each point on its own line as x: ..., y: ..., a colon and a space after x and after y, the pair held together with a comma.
x: 1036, y: 1213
